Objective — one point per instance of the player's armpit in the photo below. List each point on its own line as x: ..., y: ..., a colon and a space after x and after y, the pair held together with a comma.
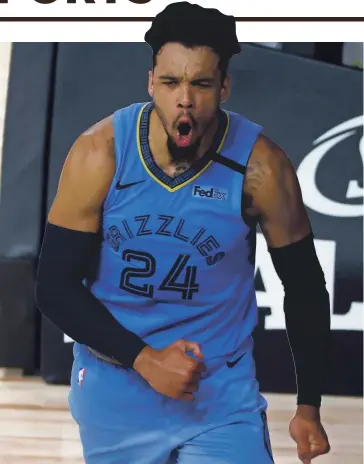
x: 275, y: 196
x: 85, y: 180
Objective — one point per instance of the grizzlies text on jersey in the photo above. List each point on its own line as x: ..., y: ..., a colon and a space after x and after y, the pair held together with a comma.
x: 177, y: 259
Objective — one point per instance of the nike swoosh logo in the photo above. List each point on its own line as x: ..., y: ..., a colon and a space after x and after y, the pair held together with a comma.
x: 124, y: 186
x: 231, y: 364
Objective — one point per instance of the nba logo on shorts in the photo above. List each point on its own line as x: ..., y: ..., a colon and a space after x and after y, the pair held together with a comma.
x: 81, y: 375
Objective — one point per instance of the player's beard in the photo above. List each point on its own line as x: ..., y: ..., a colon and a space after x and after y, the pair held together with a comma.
x: 187, y: 154
x: 190, y: 153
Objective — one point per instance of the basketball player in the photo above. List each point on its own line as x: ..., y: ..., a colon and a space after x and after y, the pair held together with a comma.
x: 148, y: 264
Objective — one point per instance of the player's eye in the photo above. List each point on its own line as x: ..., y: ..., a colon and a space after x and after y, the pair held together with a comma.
x: 202, y: 84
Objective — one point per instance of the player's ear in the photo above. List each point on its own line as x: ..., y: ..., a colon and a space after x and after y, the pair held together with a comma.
x: 225, y: 89
x: 150, y: 84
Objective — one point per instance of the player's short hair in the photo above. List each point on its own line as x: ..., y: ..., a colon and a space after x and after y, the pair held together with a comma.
x: 192, y: 25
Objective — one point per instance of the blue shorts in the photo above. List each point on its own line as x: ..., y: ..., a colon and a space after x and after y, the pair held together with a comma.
x: 122, y: 419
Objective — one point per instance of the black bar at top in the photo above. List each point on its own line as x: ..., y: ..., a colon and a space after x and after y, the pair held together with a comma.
x: 149, y: 19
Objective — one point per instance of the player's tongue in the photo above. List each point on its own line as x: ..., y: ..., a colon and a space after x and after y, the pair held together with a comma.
x: 184, y: 134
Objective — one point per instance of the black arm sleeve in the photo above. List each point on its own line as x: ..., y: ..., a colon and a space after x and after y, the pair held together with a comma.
x: 66, y: 259
x: 307, y: 314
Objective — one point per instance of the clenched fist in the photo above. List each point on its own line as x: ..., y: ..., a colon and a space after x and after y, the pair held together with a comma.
x: 170, y: 371
x: 307, y: 431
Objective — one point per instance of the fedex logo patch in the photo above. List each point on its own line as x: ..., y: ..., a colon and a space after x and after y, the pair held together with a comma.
x: 211, y: 193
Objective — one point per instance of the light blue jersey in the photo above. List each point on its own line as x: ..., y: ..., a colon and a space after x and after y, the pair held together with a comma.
x: 177, y: 260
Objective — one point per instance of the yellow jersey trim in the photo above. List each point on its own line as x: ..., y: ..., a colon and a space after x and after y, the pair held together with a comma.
x: 174, y: 189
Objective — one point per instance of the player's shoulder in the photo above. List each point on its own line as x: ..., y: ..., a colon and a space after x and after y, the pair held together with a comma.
x: 242, y: 123
x: 95, y: 147
x: 268, y: 167
x: 131, y: 110
x: 100, y: 136
x: 265, y: 151
x: 100, y: 132
x: 92, y: 152
x: 267, y: 154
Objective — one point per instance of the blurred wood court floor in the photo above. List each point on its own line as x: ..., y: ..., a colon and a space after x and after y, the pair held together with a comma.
x: 36, y: 426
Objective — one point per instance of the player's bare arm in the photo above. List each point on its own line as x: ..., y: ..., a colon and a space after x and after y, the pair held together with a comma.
x: 272, y: 189
x: 85, y: 180
x: 273, y: 197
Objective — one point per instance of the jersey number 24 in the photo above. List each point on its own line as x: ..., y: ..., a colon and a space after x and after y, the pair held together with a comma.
x: 174, y: 281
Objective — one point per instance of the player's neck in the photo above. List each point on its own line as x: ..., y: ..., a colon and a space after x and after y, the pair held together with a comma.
x: 160, y: 152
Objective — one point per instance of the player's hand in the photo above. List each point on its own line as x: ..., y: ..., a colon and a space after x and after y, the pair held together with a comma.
x: 170, y: 371
x: 307, y: 431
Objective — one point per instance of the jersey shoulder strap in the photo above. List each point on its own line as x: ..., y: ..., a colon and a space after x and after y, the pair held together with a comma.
x: 125, y: 122
x: 243, y: 134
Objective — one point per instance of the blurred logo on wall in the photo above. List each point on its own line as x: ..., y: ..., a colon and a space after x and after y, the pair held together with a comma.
x: 313, y: 195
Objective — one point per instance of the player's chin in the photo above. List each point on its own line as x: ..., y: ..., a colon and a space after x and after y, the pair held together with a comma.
x: 185, y: 146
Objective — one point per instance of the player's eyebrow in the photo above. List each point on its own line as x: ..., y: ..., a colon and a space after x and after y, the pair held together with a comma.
x: 208, y: 79
x: 203, y: 79
x: 168, y: 78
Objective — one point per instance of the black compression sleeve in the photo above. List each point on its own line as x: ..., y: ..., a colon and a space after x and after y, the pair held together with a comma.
x: 66, y: 258
x: 307, y: 313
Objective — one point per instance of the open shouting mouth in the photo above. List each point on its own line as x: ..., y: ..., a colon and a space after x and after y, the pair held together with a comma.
x: 184, y: 134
